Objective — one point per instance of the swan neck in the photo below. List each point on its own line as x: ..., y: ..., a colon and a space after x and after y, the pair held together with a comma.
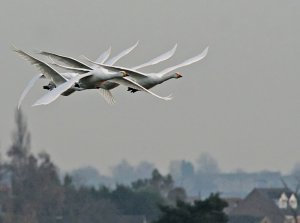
x: 167, y: 77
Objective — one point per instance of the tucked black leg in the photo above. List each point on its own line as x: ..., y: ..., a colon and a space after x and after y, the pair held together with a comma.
x: 49, y: 87
x: 132, y: 90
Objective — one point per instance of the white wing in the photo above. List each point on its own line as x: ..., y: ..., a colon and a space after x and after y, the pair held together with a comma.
x: 158, y: 59
x: 67, y: 60
x: 44, y: 68
x: 107, y: 95
x: 104, y: 56
x: 185, y: 63
x: 56, y: 92
x: 28, y: 87
x: 69, y: 75
x: 73, y: 69
x: 135, y: 74
x: 122, y: 54
x: 130, y: 83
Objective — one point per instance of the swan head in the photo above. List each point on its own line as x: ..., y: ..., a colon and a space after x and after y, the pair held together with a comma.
x: 124, y: 73
x: 178, y: 75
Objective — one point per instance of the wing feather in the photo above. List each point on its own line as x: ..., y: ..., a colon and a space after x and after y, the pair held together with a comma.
x: 130, y: 83
x: 184, y: 63
x: 67, y: 60
x: 104, y: 56
x: 113, y: 60
x: 107, y: 95
x: 156, y: 60
x: 133, y: 73
x: 43, y: 67
x: 28, y: 87
x: 73, y: 69
x: 56, y: 92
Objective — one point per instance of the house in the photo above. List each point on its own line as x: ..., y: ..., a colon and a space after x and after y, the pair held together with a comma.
x: 270, y: 205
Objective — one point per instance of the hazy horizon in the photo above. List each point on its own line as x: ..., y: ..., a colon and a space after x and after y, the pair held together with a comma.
x: 240, y: 104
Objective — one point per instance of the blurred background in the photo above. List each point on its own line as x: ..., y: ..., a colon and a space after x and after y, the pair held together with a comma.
x: 240, y: 104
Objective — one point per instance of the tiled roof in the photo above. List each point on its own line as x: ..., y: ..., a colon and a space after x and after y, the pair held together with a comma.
x: 274, y: 193
x: 260, y: 203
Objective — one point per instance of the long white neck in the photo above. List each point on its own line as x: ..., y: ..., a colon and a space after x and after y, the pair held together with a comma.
x: 167, y: 77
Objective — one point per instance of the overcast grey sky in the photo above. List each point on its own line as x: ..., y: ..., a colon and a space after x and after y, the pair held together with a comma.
x: 241, y: 103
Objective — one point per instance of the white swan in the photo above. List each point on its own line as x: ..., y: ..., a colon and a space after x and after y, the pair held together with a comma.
x: 90, y: 80
x: 101, y: 59
x: 106, y: 86
x: 152, y: 79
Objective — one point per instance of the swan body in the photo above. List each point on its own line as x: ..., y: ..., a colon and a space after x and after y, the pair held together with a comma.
x: 90, y: 80
x: 79, y: 68
x: 152, y: 79
x: 101, y: 59
x: 102, y: 74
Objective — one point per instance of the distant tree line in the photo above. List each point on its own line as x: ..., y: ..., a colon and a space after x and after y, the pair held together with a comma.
x: 32, y: 191
x: 199, y: 179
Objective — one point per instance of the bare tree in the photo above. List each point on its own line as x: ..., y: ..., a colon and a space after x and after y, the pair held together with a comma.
x: 19, y: 150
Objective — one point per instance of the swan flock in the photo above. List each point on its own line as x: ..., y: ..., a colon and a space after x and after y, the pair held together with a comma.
x: 101, y: 74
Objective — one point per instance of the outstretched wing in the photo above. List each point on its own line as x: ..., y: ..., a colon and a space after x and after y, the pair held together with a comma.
x: 130, y: 83
x: 44, y: 68
x: 107, y: 95
x: 73, y: 69
x: 67, y: 60
x: 184, y: 63
x: 133, y: 73
x: 28, y: 87
x: 104, y: 56
x: 56, y: 92
x: 113, y: 60
x: 158, y: 59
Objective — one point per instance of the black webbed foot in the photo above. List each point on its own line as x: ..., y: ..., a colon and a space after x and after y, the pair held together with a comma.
x: 132, y: 90
x: 49, y: 87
